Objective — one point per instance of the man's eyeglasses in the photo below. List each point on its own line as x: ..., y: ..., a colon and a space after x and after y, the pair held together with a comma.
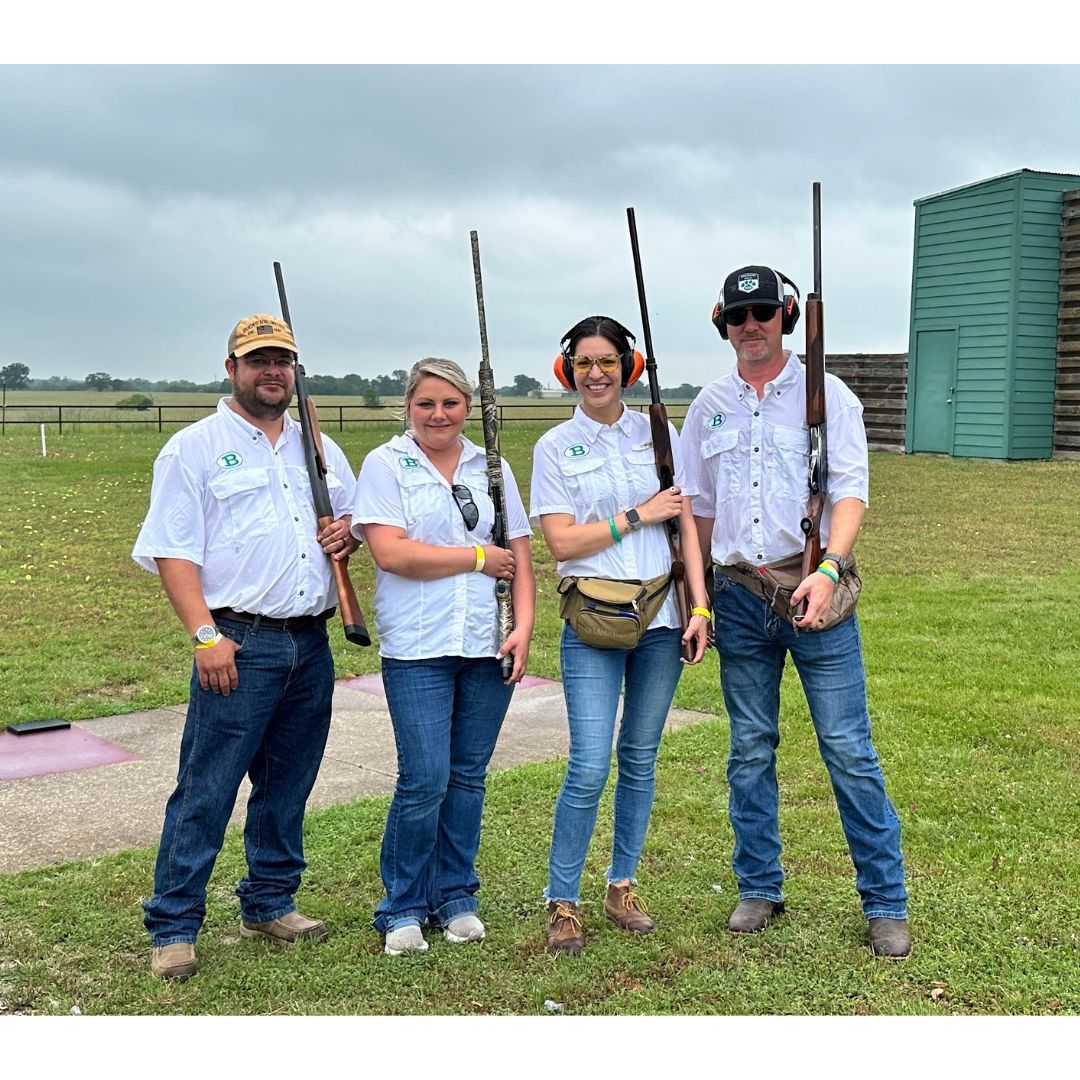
x: 762, y: 313
x: 262, y: 363
x: 464, y: 499
x: 608, y: 363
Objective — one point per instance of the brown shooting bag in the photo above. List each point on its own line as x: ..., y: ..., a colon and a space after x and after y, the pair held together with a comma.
x: 775, y: 582
x: 610, y: 614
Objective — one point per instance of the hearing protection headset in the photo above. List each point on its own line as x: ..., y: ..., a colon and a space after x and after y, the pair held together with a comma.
x: 632, y: 362
x: 789, y: 308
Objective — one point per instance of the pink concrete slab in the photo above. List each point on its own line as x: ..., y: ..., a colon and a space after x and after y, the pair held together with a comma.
x: 372, y: 684
x: 39, y: 753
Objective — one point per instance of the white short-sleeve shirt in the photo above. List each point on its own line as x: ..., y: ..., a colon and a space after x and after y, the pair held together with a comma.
x: 241, y: 510
x: 594, y: 471
x: 448, y: 616
x: 749, y: 460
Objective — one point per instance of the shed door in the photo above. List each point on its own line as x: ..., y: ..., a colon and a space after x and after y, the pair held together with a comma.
x: 935, y: 391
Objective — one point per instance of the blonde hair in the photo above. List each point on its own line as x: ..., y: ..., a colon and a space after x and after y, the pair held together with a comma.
x: 441, y: 369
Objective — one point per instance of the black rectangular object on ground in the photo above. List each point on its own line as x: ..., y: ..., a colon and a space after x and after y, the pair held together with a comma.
x: 30, y: 726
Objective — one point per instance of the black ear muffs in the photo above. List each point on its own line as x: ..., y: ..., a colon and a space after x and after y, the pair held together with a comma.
x: 632, y: 362
x: 789, y: 316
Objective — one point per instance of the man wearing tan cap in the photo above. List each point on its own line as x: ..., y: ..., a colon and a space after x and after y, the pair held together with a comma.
x: 232, y: 532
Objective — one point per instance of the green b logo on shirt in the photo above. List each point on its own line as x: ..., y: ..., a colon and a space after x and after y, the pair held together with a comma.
x: 576, y: 451
x: 717, y: 420
x: 230, y: 460
x: 410, y: 463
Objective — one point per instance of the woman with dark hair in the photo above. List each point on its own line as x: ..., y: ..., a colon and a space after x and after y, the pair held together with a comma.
x: 422, y: 505
x: 594, y: 496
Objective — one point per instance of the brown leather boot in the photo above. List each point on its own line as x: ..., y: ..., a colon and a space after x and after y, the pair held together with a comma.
x: 290, y: 927
x: 890, y: 939
x: 565, y: 934
x: 627, y: 910
x: 176, y: 961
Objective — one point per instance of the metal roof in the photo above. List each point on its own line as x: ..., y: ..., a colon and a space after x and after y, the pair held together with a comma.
x: 992, y: 179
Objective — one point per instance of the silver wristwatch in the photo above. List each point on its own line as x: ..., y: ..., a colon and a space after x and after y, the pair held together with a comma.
x: 633, y: 519
x: 205, y: 635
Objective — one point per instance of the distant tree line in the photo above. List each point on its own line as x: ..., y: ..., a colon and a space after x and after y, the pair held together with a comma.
x: 17, y: 377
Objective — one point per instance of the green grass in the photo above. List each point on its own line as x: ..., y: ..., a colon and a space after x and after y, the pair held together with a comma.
x: 972, y: 655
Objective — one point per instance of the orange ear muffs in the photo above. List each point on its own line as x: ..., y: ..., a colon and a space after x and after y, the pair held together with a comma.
x: 564, y: 372
x: 632, y: 371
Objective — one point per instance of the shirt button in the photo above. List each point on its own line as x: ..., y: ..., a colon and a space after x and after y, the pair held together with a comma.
x: 303, y: 555
x: 285, y: 485
x: 756, y: 520
x: 757, y: 413
x: 755, y: 449
x: 755, y: 483
x: 301, y: 592
x: 296, y: 519
x: 761, y: 556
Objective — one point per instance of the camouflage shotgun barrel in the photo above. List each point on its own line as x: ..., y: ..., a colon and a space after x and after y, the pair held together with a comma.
x: 489, y: 414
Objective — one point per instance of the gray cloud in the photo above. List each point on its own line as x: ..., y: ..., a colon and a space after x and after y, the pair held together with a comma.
x: 140, y: 208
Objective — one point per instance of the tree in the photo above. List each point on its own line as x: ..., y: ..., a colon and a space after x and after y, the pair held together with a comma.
x: 14, y: 376
x: 523, y: 384
x: 99, y: 380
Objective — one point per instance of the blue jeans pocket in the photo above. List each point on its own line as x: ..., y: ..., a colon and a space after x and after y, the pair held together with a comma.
x: 238, y: 634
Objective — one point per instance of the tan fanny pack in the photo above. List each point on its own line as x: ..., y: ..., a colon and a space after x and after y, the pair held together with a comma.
x: 609, y: 614
x: 776, y: 582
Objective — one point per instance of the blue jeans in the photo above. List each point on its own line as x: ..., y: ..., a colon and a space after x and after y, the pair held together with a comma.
x: 753, y: 642
x: 592, y: 679
x: 446, y: 712
x: 273, y: 727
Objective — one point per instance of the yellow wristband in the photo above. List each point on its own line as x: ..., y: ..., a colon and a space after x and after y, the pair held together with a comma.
x: 209, y: 644
x: 704, y: 612
x: 481, y: 558
x: 829, y: 572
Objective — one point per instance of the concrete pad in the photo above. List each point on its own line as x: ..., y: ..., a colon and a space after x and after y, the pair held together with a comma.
x: 64, y: 750
x: 58, y: 817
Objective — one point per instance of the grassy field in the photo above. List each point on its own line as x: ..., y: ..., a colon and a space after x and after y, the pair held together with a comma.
x: 972, y: 655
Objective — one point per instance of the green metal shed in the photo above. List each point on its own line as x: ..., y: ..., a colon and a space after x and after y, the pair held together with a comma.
x: 984, y: 312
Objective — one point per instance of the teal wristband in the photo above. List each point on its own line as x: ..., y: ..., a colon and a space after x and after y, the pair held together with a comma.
x: 829, y: 573
x: 614, y: 531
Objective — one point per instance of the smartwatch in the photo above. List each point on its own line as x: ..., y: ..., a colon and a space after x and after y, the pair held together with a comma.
x: 633, y: 519
x: 841, y: 562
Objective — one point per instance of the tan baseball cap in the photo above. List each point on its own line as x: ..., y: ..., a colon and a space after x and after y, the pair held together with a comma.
x: 257, y: 331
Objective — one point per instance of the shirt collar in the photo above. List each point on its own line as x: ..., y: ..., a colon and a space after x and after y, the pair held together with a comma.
x: 790, y: 376
x: 233, y: 417
x: 590, y: 428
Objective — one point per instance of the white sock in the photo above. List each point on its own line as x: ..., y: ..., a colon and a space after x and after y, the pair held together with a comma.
x: 464, y: 928
x: 405, y: 939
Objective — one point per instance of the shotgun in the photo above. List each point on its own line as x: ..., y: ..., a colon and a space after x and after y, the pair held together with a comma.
x: 489, y: 413
x: 352, y: 617
x: 817, y: 477
x: 661, y: 440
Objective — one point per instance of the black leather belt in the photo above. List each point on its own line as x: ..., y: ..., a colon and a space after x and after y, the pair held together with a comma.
x: 294, y: 622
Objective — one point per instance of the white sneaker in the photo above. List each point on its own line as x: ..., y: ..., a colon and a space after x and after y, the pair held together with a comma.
x: 405, y: 939
x: 464, y: 928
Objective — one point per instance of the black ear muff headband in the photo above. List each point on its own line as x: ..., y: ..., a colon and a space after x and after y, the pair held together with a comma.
x: 631, y: 361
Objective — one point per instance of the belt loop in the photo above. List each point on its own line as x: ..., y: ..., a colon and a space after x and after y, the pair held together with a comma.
x: 255, y: 625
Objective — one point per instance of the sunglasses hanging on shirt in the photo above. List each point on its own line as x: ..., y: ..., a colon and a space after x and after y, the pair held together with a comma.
x: 470, y: 513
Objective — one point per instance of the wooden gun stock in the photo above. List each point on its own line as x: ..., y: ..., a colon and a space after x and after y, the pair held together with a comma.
x: 661, y: 438
x: 818, y: 472
x: 352, y: 617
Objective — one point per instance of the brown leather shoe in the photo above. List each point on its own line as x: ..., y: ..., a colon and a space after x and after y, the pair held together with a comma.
x: 565, y: 934
x: 291, y: 927
x: 627, y: 910
x: 752, y: 916
x: 890, y: 939
x: 176, y: 961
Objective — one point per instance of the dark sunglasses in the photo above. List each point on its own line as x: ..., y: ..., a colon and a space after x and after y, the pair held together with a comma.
x: 762, y: 313
x: 464, y: 499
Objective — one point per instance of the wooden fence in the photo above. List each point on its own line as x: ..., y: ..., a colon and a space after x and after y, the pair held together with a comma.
x: 879, y: 381
x: 1067, y: 389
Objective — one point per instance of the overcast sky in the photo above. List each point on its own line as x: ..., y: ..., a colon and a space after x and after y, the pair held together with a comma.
x: 141, y: 208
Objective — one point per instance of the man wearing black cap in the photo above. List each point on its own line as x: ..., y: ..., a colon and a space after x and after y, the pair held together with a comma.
x: 232, y: 531
x: 745, y: 442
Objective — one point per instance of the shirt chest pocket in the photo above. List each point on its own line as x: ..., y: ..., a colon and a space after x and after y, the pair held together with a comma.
x: 786, y: 461
x: 641, y: 473
x: 586, y: 483
x: 424, y: 501
x: 245, y: 503
x: 721, y: 452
